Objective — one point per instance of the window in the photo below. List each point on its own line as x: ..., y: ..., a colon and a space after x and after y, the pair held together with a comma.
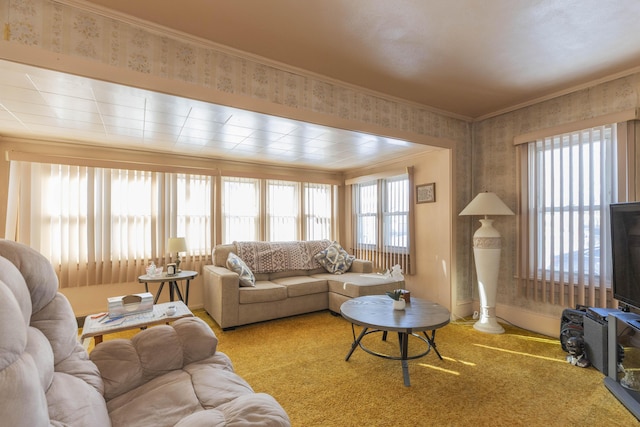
x: 282, y: 211
x: 395, y: 212
x: 366, y: 212
x: 100, y: 225
x: 130, y: 216
x: 381, y: 221
x: 275, y: 210
x: 571, y: 180
x: 240, y: 209
x: 317, y: 211
x: 194, y: 208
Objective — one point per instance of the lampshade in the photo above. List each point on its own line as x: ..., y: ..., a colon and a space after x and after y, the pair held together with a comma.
x: 177, y: 244
x: 487, y: 204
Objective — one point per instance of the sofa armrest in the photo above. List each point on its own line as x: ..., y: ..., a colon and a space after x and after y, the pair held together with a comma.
x: 127, y: 364
x: 221, y: 295
x: 361, y: 266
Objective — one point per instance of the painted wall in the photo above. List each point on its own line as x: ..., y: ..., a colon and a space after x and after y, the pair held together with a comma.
x: 433, y: 233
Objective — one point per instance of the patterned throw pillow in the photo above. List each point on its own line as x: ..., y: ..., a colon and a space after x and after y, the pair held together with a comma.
x: 237, y: 265
x: 334, y: 259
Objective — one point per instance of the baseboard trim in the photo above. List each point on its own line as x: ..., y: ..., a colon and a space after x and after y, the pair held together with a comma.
x: 533, y: 321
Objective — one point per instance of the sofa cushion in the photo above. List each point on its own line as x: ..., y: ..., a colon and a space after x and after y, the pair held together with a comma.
x: 335, y: 259
x: 262, y: 292
x: 355, y: 285
x: 302, y: 285
x: 221, y: 253
x: 288, y: 273
x: 235, y: 264
x: 262, y: 277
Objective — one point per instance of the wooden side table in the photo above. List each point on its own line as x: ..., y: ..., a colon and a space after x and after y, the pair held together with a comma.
x: 95, y: 327
x: 173, y: 284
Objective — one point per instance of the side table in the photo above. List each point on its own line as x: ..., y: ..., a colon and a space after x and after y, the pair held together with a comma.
x: 95, y: 327
x: 173, y: 284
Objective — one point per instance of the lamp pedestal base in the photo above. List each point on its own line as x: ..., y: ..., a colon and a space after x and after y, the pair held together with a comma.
x: 487, y: 246
x: 488, y: 322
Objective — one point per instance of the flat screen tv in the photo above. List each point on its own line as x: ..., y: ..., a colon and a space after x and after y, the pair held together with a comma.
x: 625, y: 244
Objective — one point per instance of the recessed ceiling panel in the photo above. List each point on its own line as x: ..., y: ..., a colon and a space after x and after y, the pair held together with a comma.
x: 55, y: 106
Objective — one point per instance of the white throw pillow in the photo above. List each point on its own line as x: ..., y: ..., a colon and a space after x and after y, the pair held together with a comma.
x: 237, y: 265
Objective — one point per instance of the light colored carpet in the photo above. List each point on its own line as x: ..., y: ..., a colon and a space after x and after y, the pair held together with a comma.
x: 513, y: 379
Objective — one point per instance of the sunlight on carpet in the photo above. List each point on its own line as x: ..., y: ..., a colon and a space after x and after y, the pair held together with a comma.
x: 510, y: 379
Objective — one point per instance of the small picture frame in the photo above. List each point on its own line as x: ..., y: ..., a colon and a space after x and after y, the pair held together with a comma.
x: 171, y: 269
x: 426, y: 193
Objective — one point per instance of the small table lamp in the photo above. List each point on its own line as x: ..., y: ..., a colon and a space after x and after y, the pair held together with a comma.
x: 487, y: 246
x: 177, y: 245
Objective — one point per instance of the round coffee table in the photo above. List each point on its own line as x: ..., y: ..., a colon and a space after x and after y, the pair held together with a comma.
x: 375, y: 313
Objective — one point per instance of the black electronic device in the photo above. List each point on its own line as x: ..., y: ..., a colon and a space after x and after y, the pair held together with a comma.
x: 596, y: 337
x: 625, y: 244
x: 623, y: 332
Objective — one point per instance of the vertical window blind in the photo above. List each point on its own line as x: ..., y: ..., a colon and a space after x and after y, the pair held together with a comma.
x: 569, y: 180
x: 382, y: 222
x: 282, y: 211
x: 101, y: 225
x: 318, y: 211
x: 240, y: 209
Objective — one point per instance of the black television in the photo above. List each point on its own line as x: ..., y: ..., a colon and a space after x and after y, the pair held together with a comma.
x: 625, y: 244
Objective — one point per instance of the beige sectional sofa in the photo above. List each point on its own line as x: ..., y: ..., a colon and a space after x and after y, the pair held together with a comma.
x: 288, y: 281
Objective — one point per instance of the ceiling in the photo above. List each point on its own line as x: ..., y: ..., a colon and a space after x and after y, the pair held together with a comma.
x: 468, y: 58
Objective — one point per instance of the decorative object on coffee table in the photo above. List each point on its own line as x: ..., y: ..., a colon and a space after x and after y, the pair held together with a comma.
x: 398, y: 302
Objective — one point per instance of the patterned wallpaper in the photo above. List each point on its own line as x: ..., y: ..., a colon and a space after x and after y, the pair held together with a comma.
x: 67, y: 28
x: 494, y: 158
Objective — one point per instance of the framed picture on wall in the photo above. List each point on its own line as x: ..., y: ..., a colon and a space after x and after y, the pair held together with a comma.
x: 426, y: 193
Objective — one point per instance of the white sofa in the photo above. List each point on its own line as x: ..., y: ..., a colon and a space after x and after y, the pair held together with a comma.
x: 168, y: 375
x: 282, y: 288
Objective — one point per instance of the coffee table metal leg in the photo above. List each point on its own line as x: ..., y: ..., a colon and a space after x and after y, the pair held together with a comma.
x: 432, y: 342
x: 403, y: 339
x: 356, y: 343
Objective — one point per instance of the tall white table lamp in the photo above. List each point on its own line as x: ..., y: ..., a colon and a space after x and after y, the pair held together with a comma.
x: 487, y: 246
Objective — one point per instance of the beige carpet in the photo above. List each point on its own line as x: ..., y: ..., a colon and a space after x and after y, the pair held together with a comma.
x: 512, y: 379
